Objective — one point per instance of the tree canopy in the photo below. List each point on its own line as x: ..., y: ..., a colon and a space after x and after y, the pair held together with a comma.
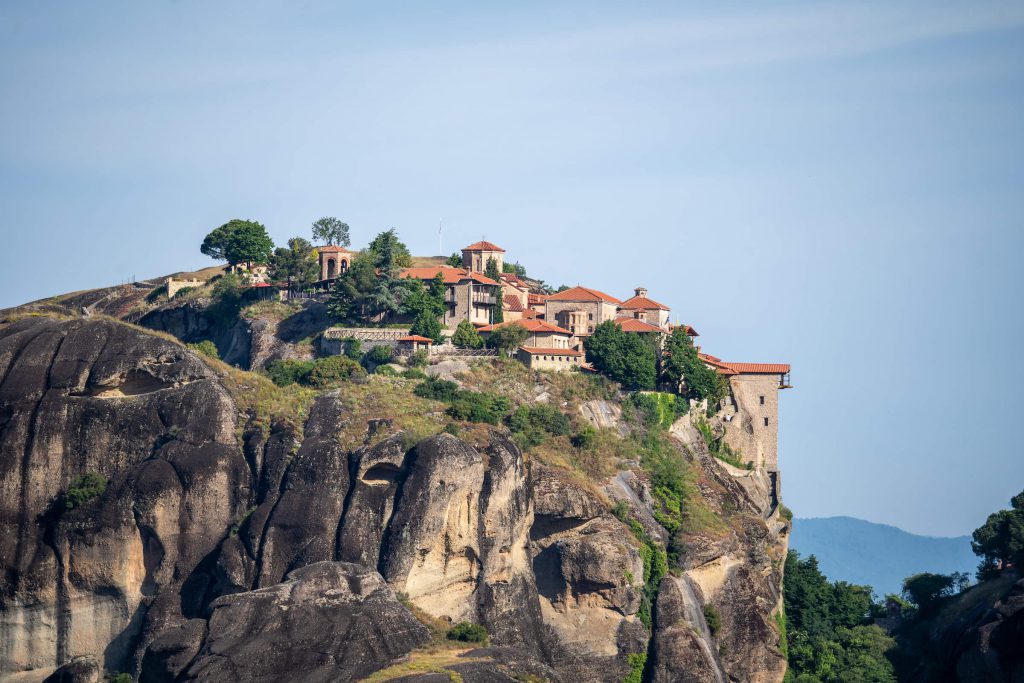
x: 239, y: 241
x: 426, y: 305
x: 295, y: 264
x: 329, y: 230
x: 466, y: 336
x: 455, y: 260
x: 830, y: 639
x: 371, y: 287
x: 389, y: 253
x: 491, y: 269
x: 683, y: 368
x: 624, y: 357
x: 1000, y: 540
x: 507, y: 338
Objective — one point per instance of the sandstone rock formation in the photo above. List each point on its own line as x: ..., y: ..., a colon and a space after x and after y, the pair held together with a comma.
x: 223, y: 548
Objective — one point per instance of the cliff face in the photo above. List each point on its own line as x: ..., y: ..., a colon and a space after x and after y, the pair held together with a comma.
x: 223, y: 548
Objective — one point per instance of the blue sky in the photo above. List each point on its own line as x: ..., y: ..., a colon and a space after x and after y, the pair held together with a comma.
x: 838, y: 186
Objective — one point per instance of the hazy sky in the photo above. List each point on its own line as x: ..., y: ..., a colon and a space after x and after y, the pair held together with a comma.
x: 837, y: 186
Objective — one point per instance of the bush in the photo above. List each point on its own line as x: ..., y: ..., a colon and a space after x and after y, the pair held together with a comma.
x: 711, y: 616
x: 378, y: 355
x: 466, y: 336
x: 327, y: 371
x: 451, y: 428
x: 585, y: 439
x: 531, y: 425
x: 419, y: 359
x: 352, y: 348
x: 385, y: 370
x: 121, y: 678
x: 413, y: 373
x: 83, y: 489
x: 468, y: 633
x: 286, y: 372
x: 437, y: 389
x: 477, y: 406
x: 206, y: 347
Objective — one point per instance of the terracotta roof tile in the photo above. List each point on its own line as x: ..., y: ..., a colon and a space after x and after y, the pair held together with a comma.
x: 582, y: 294
x: 451, y: 275
x: 416, y: 338
x: 633, y: 325
x: 760, y: 368
x: 483, y: 246
x: 642, y: 303
x: 512, y: 303
x: 532, y: 325
x: 330, y: 249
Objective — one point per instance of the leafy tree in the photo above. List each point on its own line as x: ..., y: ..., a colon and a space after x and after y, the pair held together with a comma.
x: 427, y: 325
x: 467, y: 632
x: 466, y: 336
x: 624, y: 357
x: 286, y: 372
x: 507, y: 338
x: 513, y: 268
x: 333, y: 369
x: 491, y: 269
x: 378, y: 355
x: 83, y: 489
x: 350, y: 300
x: 228, y: 294
x: 683, y: 368
x: 1000, y: 540
x: 205, y: 347
x: 418, y: 359
x: 455, y: 260
x: 926, y: 590
x: 498, y: 313
x: 389, y: 253
x: 239, y: 241
x: 329, y: 230
x: 295, y: 264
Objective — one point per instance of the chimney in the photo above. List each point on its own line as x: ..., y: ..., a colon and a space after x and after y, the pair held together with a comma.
x: 641, y: 291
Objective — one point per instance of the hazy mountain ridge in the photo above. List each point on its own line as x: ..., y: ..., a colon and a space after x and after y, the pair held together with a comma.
x: 878, y: 555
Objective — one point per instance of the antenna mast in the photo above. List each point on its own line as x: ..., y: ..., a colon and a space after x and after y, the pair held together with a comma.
x: 440, y: 247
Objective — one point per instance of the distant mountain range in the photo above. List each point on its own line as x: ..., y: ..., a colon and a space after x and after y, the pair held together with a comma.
x: 877, y: 555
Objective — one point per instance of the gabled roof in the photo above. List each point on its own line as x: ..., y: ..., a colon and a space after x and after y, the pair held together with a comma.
x: 534, y: 299
x: 633, y: 325
x: 725, y: 368
x: 529, y: 313
x: 483, y: 246
x: 329, y: 249
x: 532, y: 325
x: 582, y: 294
x: 642, y: 303
x: 690, y: 332
x: 452, y: 276
x: 512, y: 303
x: 416, y: 338
x: 539, y: 351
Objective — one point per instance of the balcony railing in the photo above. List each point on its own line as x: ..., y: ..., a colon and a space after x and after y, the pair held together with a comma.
x: 486, y: 299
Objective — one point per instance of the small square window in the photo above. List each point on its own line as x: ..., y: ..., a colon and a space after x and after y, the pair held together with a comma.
x: 762, y: 400
x: 766, y: 422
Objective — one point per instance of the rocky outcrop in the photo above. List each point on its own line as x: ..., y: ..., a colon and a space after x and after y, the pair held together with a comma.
x: 327, y: 621
x: 225, y: 548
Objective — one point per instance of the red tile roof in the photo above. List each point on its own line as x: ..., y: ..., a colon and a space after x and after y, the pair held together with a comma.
x: 416, y: 338
x: 643, y: 303
x: 582, y: 294
x: 532, y: 325
x: 534, y: 299
x: 539, y: 351
x: 690, y: 332
x: 332, y: 249
x: 514, y: 279
x: 483, y: 246
x: 512, y: 303
x: 529, y: 313
x: 744, y: 368
x: 451, y: 275
x: 633, y: 325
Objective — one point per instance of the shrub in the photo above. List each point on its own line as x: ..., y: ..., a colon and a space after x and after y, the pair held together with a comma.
x: 437, y: 389
x: 352, y: 348
x: 154, y: 295
x: 418, y: 359
x: 83, y: 489
x: 585, y: 438
x: 206, y: 347
x: 121, y: 678
x: 413, y: 373
x: 466, y: 336
x: 637, y: 661
x: 711, y: 616
x: 451, y: 428
x: 477, y: 406
x: 286, y: 372
x: 468, y: 633
x: 378, y: 355
x: 531, y: 425
x: 332, y: 369
x: 385, y: 370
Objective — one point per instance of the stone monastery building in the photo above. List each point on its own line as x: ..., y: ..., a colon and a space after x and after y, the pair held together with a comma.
x: 558, y: 324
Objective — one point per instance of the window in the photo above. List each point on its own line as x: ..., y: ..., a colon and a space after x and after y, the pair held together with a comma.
x: 590, y: 316
x: 762, y: 400
x: 590, y: 329
x: 766, y: 422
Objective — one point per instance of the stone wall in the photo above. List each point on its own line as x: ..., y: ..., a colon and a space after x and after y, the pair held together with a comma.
x: 175, y: 286
x: 755, y: 398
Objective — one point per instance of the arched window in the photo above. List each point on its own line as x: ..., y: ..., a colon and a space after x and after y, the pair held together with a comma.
x: 331, y: 267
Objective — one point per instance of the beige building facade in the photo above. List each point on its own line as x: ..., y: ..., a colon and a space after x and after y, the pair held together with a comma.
x: 580, y: 309
x: 558, y: 360
x: 643, y: 308
x: 475, y: 256
x: 333, y: 261
x: 468, y: 296
x: 540, y: 334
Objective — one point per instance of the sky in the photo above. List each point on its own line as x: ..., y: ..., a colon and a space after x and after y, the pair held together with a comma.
x: 839, y: 186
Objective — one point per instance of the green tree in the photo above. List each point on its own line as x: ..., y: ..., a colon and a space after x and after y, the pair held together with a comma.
x: 295, y: 264
x: 624, y: 357
x: 466, y: 336
x: 389, y: 253
x: 513, y: 268
x: 491, y: 269
x: 249, y: 244
x: 926, y: 590
x: 426, y: 324
x: 329, y: 230
x: 455, y: 260
x: 1000, y: 540
x: 683, y: 368
x: 498, y: 312
x: 507, y: 338
x: 350, y: 300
